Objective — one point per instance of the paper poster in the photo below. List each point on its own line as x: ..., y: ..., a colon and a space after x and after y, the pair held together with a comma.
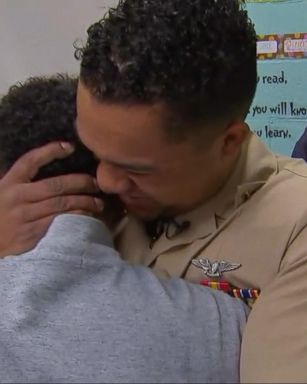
x: 278, y: 114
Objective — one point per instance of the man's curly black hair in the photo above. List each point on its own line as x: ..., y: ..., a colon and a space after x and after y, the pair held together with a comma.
x: 39, y: 111
x: 197, y: 56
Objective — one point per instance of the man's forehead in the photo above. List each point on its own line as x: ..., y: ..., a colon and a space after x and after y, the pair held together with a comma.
x: 136, y: 131
x: 143, y: 115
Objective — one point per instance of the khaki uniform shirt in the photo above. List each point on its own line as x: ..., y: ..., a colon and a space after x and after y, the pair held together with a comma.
x: 257, y: 220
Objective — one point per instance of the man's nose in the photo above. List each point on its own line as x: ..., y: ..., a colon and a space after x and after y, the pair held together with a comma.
x: 112, y: 179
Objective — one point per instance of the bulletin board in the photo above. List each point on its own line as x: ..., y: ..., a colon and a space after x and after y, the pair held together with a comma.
x: 279, y: 111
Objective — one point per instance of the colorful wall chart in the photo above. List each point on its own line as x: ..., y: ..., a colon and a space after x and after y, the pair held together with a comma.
x: 279, y: 112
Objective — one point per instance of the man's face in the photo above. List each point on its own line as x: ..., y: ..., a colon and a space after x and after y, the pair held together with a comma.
x: 151, y: 175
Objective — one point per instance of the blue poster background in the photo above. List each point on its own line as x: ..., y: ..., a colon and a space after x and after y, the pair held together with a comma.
x: 279, y: 112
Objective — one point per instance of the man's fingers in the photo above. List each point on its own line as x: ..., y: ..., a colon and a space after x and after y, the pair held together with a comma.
x: 60, y: 204
x: 29, y: 164
x: 56, y: 186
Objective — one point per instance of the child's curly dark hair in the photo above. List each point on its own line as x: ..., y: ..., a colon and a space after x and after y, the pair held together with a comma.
x: 197, y: 56
x: 39, y: 111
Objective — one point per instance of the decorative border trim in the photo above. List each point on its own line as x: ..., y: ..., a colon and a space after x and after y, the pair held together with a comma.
x: 286, y: 46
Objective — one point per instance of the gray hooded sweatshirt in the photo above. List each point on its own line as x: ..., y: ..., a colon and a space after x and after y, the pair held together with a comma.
x: 72, y: 311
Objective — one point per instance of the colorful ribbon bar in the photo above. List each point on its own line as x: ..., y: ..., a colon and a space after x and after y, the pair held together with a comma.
x: 244, y: 293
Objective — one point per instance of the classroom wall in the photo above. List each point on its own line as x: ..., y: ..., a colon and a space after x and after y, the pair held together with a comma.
x: 37, y: 37
x: 279, y: 111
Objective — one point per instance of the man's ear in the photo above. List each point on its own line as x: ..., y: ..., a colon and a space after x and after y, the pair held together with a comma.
x: 234, y: 136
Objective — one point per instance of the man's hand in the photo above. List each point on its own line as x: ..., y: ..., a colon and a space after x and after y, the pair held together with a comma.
x: 27, y: 208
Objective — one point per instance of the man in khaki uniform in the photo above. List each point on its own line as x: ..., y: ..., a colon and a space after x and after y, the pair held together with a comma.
x: 170, y: 135
x: 165, y: 86
x: 165, y: 117
x: 258, y: 220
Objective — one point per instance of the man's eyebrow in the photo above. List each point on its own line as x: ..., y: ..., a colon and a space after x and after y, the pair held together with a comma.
x: 133, y: 167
